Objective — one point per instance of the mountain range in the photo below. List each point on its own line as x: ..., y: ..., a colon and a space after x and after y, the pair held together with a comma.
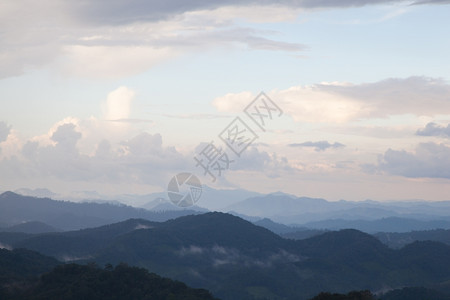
x: 211, y: 199
x: 236, y: 259
x: 16, y: 209
x: 291, y: 211
x: 288, y: 209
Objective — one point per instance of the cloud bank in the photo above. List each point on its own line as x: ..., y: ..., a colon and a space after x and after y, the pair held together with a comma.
x: 113, y: 39
x: 428, y: 160
x: 345, y: 102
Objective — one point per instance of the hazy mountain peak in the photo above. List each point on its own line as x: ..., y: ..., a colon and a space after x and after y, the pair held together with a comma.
x: 8, y: 194
x: 39, y: 192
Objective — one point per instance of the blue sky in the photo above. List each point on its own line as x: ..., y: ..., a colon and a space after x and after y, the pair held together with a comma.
x: 118, y: 97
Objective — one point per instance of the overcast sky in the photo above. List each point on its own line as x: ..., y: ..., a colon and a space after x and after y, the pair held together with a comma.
x: 119, y: 96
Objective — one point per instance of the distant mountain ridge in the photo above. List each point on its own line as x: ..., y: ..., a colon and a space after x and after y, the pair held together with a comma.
x: 312, y: 213
x: 211, y: 199
x: 303, y: 209
x: 16, y: 209
x: 368, y: 216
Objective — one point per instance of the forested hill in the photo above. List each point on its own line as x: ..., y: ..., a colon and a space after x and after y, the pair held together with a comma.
x: 20, y: 279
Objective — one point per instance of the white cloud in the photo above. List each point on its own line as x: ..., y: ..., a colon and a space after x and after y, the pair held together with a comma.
x: 113, y: 61
x: 118, y: 104
x: 92, y: 150
x: 344, y: 102
x: 11, y: 145
x: 233, y: 102
x: 311, y: 104
x: 420, y: 96
x: 253, y: 13
x: 307, y: 104
x: 142, y: 159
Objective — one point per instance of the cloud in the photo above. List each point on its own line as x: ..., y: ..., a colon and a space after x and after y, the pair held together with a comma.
x: 119, y: 12
x: 421, y: 2
x: 103, y: 149
x: 318, y: 146
x: 118, y: 104
x: 306, y: 104
x: 144, y: 144
x: 429, y: 160
x: 233, y: 102
x: 113, y: 39
x: 254, y: 159
x: 433, y: 129
x: 111, y: 151
x: 66, y: 136
x: 117, y: 39
x: 219, y: 256
x: 344, y: 102
x: 4, y: 131
x: 380, y: 132
x: 422, y: 96
x: 29, y: 39
x: 191, y: 250
x: 141, y: 159
x: 196, y: 116
x: 100, y: 61
x: 62, y: 159
x: 132, y: 121
x: 251, y: 160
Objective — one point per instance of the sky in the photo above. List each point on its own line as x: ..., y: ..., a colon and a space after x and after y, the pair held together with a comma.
x: 117, y: 97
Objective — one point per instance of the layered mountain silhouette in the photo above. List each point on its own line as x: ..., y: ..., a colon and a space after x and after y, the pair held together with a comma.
x: 16, y: 209
x: 236, y: 259
x: 288, y: 212
x: 368, y: 216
